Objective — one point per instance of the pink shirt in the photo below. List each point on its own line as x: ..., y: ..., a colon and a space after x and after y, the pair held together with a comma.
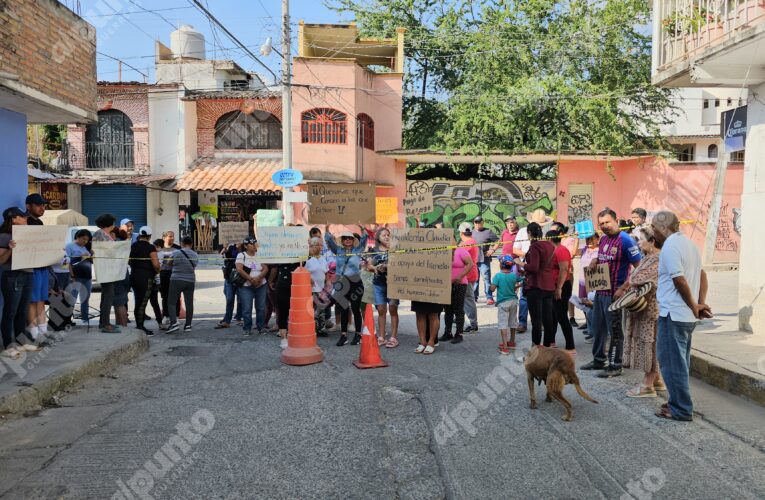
x: 458, y: 266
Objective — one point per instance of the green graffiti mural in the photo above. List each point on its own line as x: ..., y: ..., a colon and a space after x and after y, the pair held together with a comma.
x: 456, y: 202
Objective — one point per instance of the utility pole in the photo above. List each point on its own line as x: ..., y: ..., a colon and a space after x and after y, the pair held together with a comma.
x: 286, y: 105
x: 713, y: 219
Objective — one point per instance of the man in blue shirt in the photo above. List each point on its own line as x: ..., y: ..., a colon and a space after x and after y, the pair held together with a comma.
x: 619, y: 251
x: 128, y: 225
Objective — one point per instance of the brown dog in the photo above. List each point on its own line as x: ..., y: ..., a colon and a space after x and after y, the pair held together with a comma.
x: 556, y: 369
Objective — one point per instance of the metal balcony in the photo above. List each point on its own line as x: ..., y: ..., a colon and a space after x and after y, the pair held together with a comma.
x: 110, y: 155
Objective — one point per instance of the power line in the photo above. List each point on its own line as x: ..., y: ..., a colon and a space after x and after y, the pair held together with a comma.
x: 155, y: 12
x: 143, y: 10
x: 234, y: 39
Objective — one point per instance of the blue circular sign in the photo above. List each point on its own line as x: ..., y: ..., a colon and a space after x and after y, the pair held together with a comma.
x: 287, y: 177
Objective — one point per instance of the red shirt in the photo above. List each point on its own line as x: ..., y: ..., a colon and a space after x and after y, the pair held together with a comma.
x: 539, y: 265
x: 561, y: 255
x: 508, y: 240
x: 472, y: 275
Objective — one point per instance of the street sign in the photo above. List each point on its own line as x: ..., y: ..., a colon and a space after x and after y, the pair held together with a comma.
x: 287, y: 178
x: 733, y: 129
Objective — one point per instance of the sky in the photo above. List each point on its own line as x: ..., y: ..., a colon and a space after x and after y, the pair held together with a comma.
x: 130, y: 34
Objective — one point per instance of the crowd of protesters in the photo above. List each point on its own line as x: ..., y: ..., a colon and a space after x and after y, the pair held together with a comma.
x: 654, y: 262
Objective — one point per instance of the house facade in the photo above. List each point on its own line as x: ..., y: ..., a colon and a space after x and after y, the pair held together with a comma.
x: 706, y: 43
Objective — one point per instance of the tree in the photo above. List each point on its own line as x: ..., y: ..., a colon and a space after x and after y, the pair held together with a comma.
x: 524, y: 75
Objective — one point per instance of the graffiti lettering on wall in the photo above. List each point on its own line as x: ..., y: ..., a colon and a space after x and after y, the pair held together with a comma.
x: 728, y: 221
x: 579, y: 203
x: 455, y: 202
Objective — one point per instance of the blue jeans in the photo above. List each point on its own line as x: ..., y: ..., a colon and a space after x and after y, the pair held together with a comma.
x: 605, y: 324
x: 84, y: 285
x: 484, y: 271
x: 17, y: 291
x: 523, y: 311
x: 673, y: 352
x: 231, y: 296
x: 246, y: 295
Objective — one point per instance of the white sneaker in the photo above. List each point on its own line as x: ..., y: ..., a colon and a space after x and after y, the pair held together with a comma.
x: 33, y: 332
x: 284, y: 344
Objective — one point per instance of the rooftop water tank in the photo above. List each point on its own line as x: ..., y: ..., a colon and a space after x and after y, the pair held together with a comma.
x: 187, y: 43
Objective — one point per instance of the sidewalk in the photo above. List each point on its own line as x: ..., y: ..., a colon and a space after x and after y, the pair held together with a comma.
x: 722, y: 355
x: 71, y: 357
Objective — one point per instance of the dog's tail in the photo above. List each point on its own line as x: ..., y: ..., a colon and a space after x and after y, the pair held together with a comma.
x: 581, y: 391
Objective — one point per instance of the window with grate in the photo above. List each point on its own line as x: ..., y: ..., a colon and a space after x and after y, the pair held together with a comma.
x: 366, y: 131
x: 712, y: 151
x: 685, y: 152
x: 257, y: 130
x: 737, y: 156
x: 324, y: 126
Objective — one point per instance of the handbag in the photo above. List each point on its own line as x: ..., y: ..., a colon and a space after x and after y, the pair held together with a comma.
x: 236, y: 279
x: 82, y: 268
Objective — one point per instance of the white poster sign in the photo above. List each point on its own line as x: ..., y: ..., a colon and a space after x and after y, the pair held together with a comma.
x: 38, y: 246
x: 282, y: 245
x: 110, y: 259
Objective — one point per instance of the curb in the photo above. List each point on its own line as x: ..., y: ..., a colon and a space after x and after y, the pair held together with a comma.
x: 37, y: 394
x: 715, y: 372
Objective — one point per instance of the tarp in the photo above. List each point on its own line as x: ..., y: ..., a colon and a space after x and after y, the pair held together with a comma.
x: 64, y: 218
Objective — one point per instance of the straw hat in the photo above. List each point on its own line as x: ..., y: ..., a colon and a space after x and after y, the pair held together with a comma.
x: 346, y: 234
x: 539, y: 216
x: 634, y: 300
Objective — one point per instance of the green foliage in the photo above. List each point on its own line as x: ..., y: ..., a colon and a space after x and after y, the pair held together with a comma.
x: 523, y: 75
x: 53, y: 136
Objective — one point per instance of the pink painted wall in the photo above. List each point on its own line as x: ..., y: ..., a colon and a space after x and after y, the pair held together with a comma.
x: 654, y: 184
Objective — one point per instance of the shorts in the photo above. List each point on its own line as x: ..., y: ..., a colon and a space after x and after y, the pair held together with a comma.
x: 381, y: 296
x: 40, y: 285
x: 507, y: 314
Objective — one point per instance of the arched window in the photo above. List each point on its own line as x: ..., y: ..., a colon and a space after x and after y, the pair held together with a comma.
x: 324, y: 126
x: 366, y: 131
x: 712, y: 151
x: 109, y: 144
x: 257, y: 130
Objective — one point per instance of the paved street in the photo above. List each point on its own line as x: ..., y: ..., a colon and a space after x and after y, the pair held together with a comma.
x: 260, y: 429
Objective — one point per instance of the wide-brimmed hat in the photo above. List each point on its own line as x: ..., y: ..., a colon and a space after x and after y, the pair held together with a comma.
x: 634, y: 300
x: 346, y: 234
x: 539, y: 216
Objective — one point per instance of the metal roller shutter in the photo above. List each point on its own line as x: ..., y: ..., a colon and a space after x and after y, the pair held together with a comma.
x: 120, y: 200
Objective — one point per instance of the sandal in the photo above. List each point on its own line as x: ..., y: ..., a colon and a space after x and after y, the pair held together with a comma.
x: 641, y: 391
x: 659, y: 387
x: 28, y: 348
x: 419, y: 349
x: 221, y: 325
x: 664, y: 412
x: 392, y: 342
x: 429, y: 350
x: 380, y: 341
x: 11, y: 353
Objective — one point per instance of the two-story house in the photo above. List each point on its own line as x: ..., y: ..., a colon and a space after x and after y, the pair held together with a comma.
x: 721, y: 43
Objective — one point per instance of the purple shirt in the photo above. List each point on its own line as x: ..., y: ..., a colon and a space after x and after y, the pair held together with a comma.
x: 619, y: 252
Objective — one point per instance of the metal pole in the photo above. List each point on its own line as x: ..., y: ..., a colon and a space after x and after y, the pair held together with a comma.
x: 286, y: 104
x: 713, y: 219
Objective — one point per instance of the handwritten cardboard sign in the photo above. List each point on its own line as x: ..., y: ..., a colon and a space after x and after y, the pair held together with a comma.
x: 282, y: 245
x: 38, y: 246
x: 597, y: 279
x: 111, y: 260
x: 341, y: 203
x: 387, y: 210
x: 423, y: 275
x: 232, y: 232
x: 418, y: 204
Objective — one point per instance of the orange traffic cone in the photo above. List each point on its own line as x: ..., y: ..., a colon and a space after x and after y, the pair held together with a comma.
x: 369, y: 355
x: 301, y: 334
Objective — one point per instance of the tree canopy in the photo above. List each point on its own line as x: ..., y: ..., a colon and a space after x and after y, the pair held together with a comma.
x: 523, y: 75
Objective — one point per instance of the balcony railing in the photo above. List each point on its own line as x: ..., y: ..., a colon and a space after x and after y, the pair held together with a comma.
x: 110, y: 155
x: 690, y: 26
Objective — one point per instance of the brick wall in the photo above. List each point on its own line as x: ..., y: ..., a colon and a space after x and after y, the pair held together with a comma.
x: 132, y: 100
x: 210, y: 110
x: 50, y: 49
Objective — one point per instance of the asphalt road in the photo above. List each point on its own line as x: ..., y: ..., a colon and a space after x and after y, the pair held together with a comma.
x: 211, y: 414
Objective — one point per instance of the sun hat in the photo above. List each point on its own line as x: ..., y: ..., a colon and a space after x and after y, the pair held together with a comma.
x: 347, y: 234
x: 539, y: 216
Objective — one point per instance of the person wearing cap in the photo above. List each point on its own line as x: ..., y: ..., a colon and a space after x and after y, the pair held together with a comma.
x: 349, y: 289
x: 642, y: 326
x: 254, y: 287
x: 37, y: 323
x: 128, y: 226
x: 144, y: 266
x: 467, y: 241
x: 484, y: 238
x: 16, y: 289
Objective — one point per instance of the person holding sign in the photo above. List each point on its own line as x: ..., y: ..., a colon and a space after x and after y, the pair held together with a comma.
x: 619, y: 251
x: 105, y: 223
x: 81, y: 271
x: 254, y: 287
x: 454, y: 312
x: 16, y: 288
x: 540, y: 284
x: 379, y: 265
x: 349, y: 289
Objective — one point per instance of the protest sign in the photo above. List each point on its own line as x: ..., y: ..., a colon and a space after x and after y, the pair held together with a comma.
x: 38, y: 246
x: 421, y: 275
x: 269, y: 218
x: 282, y: 245
x: 418, y: 204
x: 110, y: 259
x: 341, y: 203
x: 233, y: 232
x: 597, y: 279
x: 387, y: 210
